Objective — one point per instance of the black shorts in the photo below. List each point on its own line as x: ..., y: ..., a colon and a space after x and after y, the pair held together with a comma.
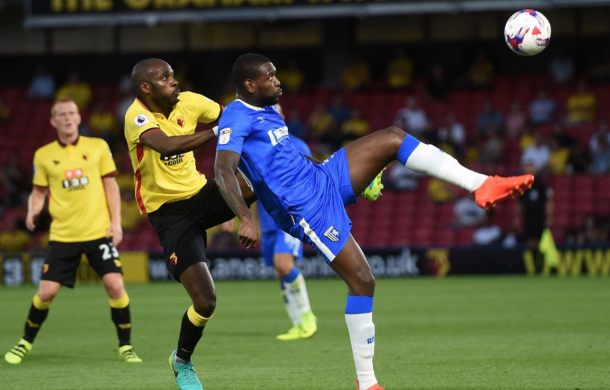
x: 181, y: 227
x: 63, y: 260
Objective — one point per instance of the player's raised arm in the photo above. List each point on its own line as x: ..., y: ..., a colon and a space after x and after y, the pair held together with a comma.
x: 224, y: 169
x: 158, y: 141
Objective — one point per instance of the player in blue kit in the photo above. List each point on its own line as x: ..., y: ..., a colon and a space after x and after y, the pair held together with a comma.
x: 306, y: 198
x: 279, y: 251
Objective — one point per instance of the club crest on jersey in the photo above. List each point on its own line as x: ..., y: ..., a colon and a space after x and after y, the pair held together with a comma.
x: 180, y: 121
x: 173, y: 259
x: 45, y: 268
x: 332, y: 234
x: 141, y: 119
x: 278, y: 134
x: 224, y: 136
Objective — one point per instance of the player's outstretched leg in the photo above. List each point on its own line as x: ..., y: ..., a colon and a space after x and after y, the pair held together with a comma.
x: 121, y: 315
x: 39, y: 310
x: 353, y: 268
x: 200, y: 286
x: 296, y: 299
x: 369, y: 155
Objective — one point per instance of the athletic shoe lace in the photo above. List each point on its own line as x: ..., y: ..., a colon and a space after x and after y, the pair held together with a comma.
x: 129, y: 354
x: 190, y: 375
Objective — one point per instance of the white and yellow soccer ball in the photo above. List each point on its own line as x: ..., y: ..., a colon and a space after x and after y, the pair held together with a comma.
x: 527, y: 32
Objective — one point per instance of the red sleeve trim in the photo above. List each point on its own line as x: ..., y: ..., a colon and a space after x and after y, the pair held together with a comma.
x: 110, y: 174
x: 148, y: 130
x: 222, y: 109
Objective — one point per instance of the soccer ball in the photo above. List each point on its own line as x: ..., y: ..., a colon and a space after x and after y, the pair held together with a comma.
x: 527, y: 32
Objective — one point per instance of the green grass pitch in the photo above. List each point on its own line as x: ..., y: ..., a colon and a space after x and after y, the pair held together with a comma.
x: 450, y: 334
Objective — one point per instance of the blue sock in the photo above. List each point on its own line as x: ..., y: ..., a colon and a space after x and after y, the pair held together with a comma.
x: 408, y: 146
x: 291, y: 276
x: 358, y: 305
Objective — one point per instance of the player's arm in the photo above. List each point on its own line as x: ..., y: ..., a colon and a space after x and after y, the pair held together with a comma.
x: 158, y: 141
x: 224, y: 169
x: 113, y: 197
x: 35, y: 205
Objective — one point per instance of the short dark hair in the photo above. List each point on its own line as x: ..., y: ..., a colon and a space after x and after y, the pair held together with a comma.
x: 247, y: 66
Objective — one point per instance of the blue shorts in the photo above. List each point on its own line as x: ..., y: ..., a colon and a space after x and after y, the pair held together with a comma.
x: 277, y: 241
x: 338, y: 170
x: 325, y: 225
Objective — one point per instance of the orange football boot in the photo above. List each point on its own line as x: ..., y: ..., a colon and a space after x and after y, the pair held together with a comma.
x: 374, y: 387
x: 497, y: 188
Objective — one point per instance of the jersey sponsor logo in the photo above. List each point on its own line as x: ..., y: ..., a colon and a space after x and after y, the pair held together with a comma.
x: 75, y: 180
x: 141, y: 119
x: 278, y: 134
x: 260, y: 118
x: 173, y: 259
x: 370, y: 340
x: 332, y: 234
x: 173, y: 160
x: 224, y: 136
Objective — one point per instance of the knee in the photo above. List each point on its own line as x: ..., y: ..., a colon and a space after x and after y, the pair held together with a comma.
x: 395, y: 137
x: 115, y: 291
x: 47, y: 294
x: 365, y: 284
x: 205, y: 304
x: 114, y: 287
x: 283, y: 269
x: 395, y: 132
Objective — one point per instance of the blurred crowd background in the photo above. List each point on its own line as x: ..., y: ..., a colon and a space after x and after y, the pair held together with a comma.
x: 469, y: 95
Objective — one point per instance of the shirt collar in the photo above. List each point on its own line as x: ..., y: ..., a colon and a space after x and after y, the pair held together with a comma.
x: 73, y: 144
x: 149, y: 110
x: 250, y: 106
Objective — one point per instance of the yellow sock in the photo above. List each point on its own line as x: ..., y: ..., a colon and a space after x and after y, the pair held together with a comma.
x: 40, y: 304
x: 196, y: 319
x: 119, y: 303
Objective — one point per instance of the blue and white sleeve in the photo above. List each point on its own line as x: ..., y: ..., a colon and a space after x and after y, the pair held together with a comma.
x: 233, y: 130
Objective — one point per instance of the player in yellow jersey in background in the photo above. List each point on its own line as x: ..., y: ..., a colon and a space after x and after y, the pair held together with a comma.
x: 180, y: 202
x: 84, y: 202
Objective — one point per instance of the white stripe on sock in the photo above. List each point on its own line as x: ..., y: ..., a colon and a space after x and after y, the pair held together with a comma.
x: 362, y: 335
x: 430, y: 160
x: 298, y: 291
x: 292, y: 308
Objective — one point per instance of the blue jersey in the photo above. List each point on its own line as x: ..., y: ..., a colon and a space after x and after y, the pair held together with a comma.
x: 267, y: 223
x: 284, y: 181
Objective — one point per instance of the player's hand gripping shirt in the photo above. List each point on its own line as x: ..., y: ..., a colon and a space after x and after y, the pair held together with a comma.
x: 267, y: 224
x: 285, y: 182
x: 164, y: 179
x: 73, y: 174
